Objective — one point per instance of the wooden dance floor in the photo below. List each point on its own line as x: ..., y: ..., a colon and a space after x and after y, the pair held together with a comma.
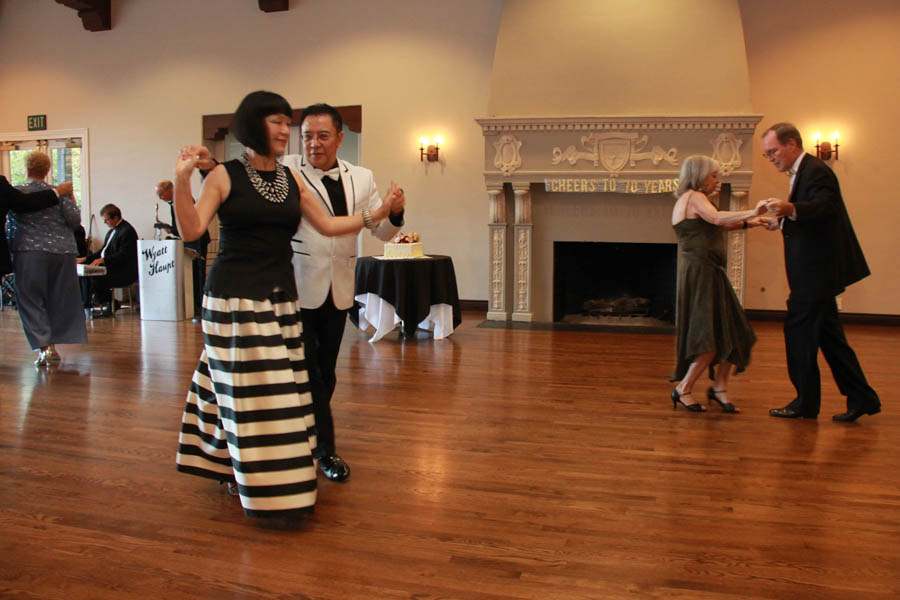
x: 496, y: 464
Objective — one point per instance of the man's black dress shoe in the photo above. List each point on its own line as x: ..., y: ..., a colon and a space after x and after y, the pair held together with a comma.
x: 785, y: 413
x: 853, y: 414
x: 108, y: 310
x: 334, y: 467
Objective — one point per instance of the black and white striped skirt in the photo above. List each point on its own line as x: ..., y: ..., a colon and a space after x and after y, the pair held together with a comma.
x: 249, y: 416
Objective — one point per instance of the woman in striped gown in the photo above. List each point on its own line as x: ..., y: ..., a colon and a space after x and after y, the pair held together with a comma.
x: 249, y: 419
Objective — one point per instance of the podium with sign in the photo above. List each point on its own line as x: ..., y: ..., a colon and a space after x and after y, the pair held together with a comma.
x: 167, y: 290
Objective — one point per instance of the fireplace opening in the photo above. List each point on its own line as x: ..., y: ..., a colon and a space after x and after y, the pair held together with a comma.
x: 604, y: 283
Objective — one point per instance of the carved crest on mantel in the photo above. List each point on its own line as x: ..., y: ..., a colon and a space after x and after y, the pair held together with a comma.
x: 614, y: 151
x: 509, y: 156
x: 727, y: 152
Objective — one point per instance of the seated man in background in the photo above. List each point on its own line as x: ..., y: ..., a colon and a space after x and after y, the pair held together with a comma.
x: 164, y: 190
x: 118, y: 255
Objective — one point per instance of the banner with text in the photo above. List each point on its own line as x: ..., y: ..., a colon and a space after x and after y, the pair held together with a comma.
x: 610, y: 185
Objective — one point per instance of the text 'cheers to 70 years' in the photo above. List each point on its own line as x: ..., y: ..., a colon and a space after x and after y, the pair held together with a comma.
x: 624, y: 186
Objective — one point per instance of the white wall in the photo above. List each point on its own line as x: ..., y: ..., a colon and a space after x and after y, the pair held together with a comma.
x: 619, y: 57
x: 826, y: 65
x: 417, y: 68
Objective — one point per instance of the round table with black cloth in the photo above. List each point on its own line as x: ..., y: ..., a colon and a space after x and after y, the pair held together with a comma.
x: 411, y: 285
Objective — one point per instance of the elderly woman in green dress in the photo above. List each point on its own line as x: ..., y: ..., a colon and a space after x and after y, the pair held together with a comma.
x: 712, y: 327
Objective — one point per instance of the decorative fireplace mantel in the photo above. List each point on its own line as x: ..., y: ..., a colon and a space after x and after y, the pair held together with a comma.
x: 598, y: 155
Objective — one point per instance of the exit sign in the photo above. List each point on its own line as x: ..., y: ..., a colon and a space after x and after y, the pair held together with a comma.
x: 37, y: 122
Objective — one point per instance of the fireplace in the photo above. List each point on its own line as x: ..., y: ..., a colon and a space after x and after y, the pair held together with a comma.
x: 599, y: 179
x: 602, y: 283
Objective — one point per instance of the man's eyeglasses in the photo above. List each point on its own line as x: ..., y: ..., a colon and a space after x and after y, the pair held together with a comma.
x: 770, y: 154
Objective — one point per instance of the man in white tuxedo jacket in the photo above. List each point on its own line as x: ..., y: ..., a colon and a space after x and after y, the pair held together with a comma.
x: 325, y: 267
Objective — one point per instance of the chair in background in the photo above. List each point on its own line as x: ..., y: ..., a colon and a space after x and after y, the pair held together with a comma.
x: 130, y: 291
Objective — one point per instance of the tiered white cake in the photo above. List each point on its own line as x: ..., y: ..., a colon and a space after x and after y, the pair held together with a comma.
x: 404, y: 245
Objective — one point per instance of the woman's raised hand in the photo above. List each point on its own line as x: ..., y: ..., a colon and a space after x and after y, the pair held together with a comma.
x: 204, y: 158
x: 187, y: 161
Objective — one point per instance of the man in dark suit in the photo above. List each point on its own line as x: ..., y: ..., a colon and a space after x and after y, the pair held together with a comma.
x: 165, y: 192
x: 13, y: 199
x: 822, y: 256
x: 118, y: 255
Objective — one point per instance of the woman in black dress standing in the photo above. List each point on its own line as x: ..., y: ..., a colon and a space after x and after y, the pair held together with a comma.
x: 712, y: 327
x: 249, y: 419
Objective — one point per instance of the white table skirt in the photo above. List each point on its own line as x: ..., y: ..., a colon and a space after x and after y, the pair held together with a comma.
x: 380, y: 314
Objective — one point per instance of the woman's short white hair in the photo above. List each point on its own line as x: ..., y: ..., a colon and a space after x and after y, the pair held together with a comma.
x: 694, y: 171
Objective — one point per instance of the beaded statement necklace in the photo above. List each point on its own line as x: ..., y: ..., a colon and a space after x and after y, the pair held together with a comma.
x: 276, y: 191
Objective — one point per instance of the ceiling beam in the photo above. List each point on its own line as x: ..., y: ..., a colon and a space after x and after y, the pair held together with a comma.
x: 96, y: 15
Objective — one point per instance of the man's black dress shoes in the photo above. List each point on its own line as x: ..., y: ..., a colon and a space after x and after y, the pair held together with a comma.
x: 853, y: 414
x: 107, y: 311
x: 785, y: 413
x: 334, y: 467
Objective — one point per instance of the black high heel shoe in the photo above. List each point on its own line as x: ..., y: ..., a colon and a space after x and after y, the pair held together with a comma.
x: 230, y: 486
x: 677, y: 399
x: 727, y: 407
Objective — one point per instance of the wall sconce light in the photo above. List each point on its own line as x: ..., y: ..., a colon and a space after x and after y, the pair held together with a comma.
x: 429, y: 150
x: 824, y: 150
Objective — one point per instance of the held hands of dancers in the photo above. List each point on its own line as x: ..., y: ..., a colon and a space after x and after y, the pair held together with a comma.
x: 191, y: 157
x: 204, y: 158
x: 64, y: 189
x: 754, y: 220
x: 769, y: 223
x: 760, y: 208
x: 389, y: 203
x: 187, y: 162
x: 394, y: 199
x: 766, y: 213
x: 779, y: 208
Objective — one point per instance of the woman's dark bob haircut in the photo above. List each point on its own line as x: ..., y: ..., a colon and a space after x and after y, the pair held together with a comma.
x: 249, y: 119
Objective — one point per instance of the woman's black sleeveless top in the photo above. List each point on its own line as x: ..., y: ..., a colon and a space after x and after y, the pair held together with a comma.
x: 254, y: 240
